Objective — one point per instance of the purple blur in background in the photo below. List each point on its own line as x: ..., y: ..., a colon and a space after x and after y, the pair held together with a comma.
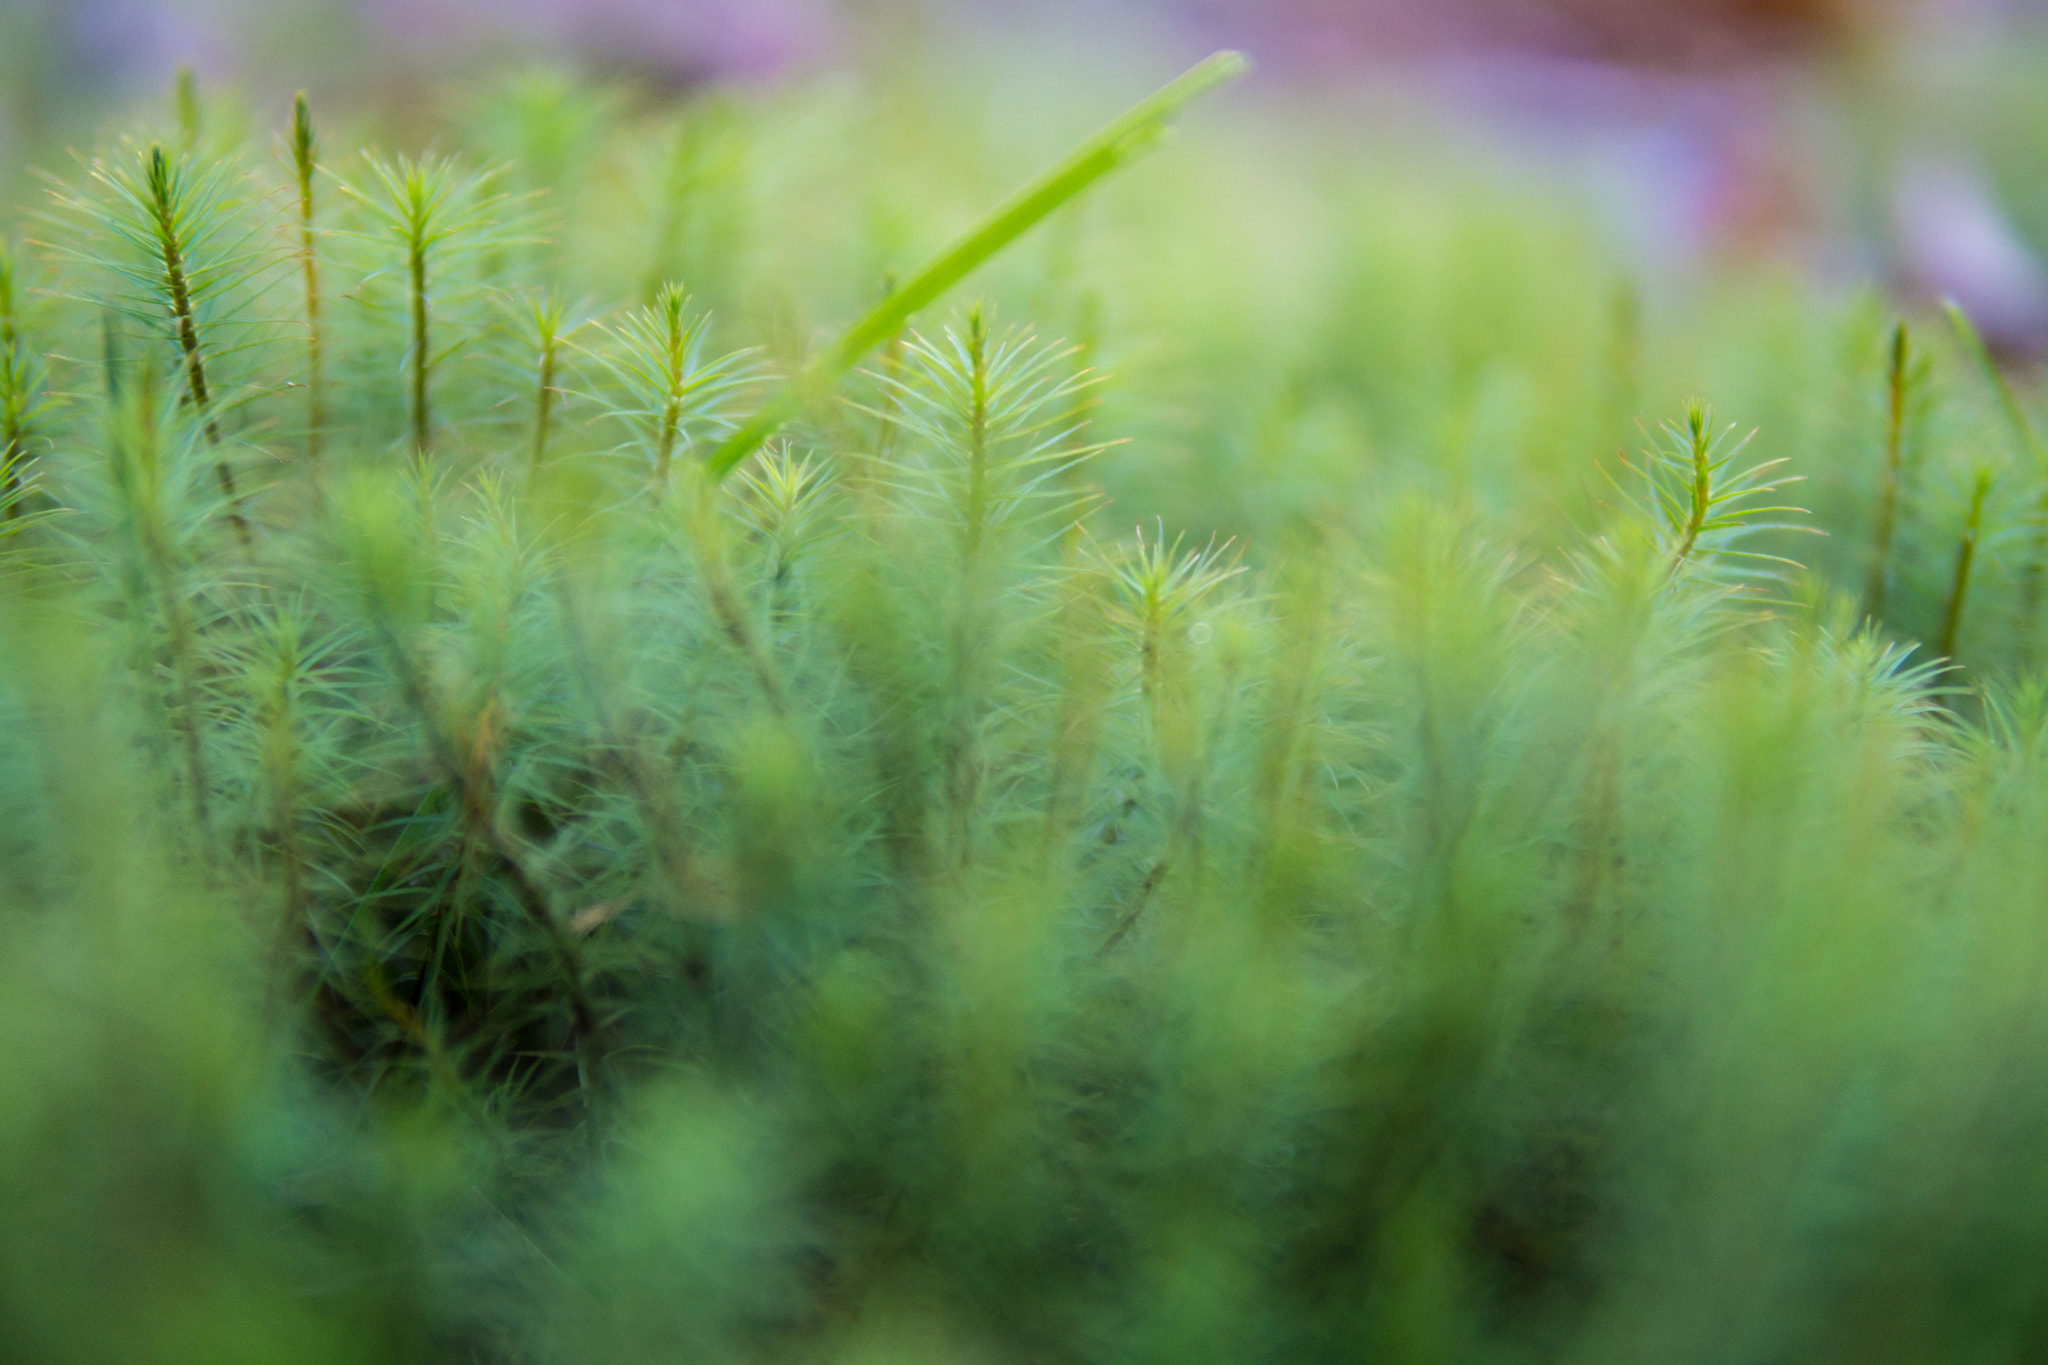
x: 1694, y: 129
x: 698, y: 39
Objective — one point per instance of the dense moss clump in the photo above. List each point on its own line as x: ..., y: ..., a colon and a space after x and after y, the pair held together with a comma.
x: 509, y: 853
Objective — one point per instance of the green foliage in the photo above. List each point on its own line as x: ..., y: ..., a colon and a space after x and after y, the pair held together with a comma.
x: 24, y: 400
x: 429, y: 208
x: 1700, y: 506
x: 480, y: 885
x: 671, y: 386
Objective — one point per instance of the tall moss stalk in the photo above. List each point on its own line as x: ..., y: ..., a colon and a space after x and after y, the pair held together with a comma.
x: 1162, y: 587
x: 2027, y: 448
x: 1897, y: 382
x: 305, y: 148
x: 970, y: 615
x: 165, y: 183
x: 1699, y: 490
x: 16, y: 392
x: 670, y: 305
x: 422, y: 358
x: 432, y: 208
x: 671, y: 386
x: 549, y: 334
x: 1966, y: 558
x: 704, y: 523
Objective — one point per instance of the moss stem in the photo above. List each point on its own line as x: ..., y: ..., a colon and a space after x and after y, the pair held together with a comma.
x: 305, y: 160
x: 1896, y: 383
x: 164, y: 199
x: 1966, y: 555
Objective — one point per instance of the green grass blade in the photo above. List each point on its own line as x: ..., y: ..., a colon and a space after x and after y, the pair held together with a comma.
x: 1110, y: 148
